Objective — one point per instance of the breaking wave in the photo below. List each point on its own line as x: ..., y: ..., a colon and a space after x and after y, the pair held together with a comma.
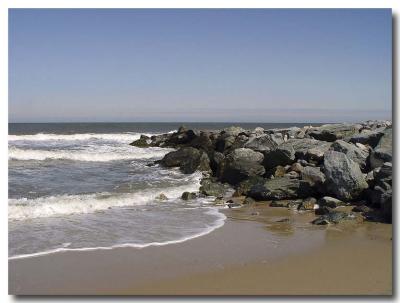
x: 21, y: 209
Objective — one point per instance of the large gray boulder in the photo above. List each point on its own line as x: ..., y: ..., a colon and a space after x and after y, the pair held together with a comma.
x: 308, y: 149
x: 333, y: 132
x: 262, y: 143
x: 313, y: 175
x: 283, y: 155
x: 241, y: 164
x: 344, y: 178
x: 352, y: 152
x: 181, y: 137
x: 188, y: 159
x: 232, y: 131
x: 368, y: 137
x: 383, y: 151
x: 280, y: 188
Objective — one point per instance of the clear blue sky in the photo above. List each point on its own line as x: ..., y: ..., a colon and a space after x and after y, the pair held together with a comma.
x: 199, y: 65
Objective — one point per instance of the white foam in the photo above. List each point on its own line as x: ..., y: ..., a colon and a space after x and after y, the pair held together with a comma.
x: 22, y: 209
x: 213, y: 211
x: 120, y: 137
x: 93, y: 154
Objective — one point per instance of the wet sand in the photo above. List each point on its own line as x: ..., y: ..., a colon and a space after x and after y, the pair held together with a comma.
x: 252, y: 254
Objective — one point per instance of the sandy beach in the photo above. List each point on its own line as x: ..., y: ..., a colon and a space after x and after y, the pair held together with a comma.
x: 252, y: 254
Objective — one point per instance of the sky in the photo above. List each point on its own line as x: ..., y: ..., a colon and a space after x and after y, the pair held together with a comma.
x: 256, y: 65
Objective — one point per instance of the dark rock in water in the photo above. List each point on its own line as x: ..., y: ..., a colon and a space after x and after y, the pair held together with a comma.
x: 308, y: 204
x: 352, y: 152
x: 244, y: 186
x: 333, y: 132
x: 368, y: 137
x: 282, y: 155
x: 241, y: 164
x: 280, y: 188
x: 183, y: 136
x: 188, y: 196
x: 143, y: 141
x: 188, y: 159
x: 233, y: 204
x: 330, y: 202
x: 324, y: 210
x: 313, y: 176
x: 383, y: 151
x: 262, y: 143
x: 344, y: 178
x: 210, y: 187
x: 361, y: 209
x: 161, y: 197
x: 331, y: 217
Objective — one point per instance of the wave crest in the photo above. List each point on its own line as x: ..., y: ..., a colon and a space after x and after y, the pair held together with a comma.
x: 93, y: 155
x: 22, y: 209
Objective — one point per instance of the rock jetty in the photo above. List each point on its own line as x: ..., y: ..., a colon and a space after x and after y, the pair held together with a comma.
x: 311, y: 168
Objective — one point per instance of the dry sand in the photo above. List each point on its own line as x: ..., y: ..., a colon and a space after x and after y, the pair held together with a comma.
x: 249, y: 255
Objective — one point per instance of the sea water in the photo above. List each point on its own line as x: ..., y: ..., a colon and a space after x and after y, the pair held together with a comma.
x: 79, y: 186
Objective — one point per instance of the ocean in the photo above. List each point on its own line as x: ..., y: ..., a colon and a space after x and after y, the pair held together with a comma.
x: 80, y: 186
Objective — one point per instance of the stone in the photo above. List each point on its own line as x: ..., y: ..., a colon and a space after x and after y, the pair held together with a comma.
x: 352, y: 152
x: 383, y: 151
x: 232, y: 131
x: 344, y: 178
x: 323, y: 210
x: 333, y: 132
x: 313, y: 175
x: 282, y: 155
x: 368, y: 137
x: 279, y: 171
x: 296, y: 167
x: 308, y: 149
x: 330, y: 202
x: 361, y: 209
x: 258, y: 131
x: 333, y: 217
x: 188, y: 196
x: 241, y: 164
x: 244, y: 186
x: 210, y: 187
x: 188, y: 159
x: 143, y: 141
x: 279, y: 189
x: 262, y: 143
x: 292, y: 174
x: 308, y: 204
x: 249, y: 200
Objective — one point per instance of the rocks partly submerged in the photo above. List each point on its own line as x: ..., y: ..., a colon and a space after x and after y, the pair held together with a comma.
x: 321, y: 168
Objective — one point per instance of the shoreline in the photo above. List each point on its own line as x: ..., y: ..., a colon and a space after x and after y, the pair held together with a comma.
x: 219, y: 223
x: 245, y: 246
